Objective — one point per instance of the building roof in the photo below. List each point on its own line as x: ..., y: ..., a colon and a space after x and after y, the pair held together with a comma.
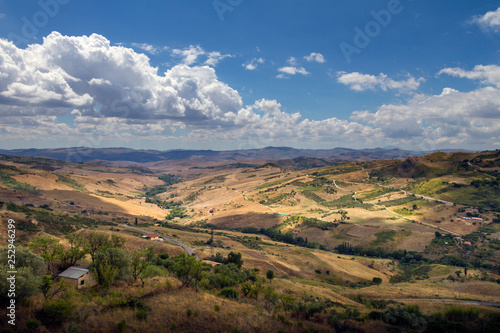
x: 74, y: 272
x: 152, y: 235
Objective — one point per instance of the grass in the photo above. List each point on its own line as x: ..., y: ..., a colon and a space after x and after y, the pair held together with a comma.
x: 379, y: 191
x: 483, y: 195
x: 13, y: 184
x: 276, y: 199
x: 406, y: 212
x: 399, y: 202
x: 274, y: 183
x: 384, y: 237
x: 67, y: 180
x: 216, y: 179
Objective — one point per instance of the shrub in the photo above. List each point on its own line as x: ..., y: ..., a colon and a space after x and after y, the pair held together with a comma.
x: 409, y: 316
x: 122, y: 325
x: 74, y: 328
x: 270, y: 275
x: 57, y: 311
x: 246, y: 288
x: 229, y: 293
x: 32, y: 324
x: 142, y: 314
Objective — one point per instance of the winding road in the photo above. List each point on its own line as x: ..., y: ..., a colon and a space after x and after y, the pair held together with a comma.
x: 190, y: 251
x: 445, y: 300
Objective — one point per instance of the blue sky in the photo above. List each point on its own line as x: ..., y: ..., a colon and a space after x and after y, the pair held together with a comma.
x: 231, y: 74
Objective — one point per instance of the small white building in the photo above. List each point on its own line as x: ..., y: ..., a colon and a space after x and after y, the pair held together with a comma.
x: 78, y: 276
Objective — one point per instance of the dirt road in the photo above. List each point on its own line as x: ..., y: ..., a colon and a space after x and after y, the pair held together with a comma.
x: 190, y: 251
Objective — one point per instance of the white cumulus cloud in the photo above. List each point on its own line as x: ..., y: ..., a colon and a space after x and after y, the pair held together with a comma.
x: 361, y: 82
x: 101, y: 80
x: 488, y: 21
x: 452, y: 118
x: 253, y: 64
x: 293, y: 69
x: 215, y: 57
x: 191, y: 54
x: 489, y: 74
x: 318, y: 57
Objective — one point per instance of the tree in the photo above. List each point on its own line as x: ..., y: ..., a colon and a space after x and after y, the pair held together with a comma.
x: 50, y: 288
x: 29, y: 267
x: 116, y: 258
x: 106, y: 274
x: 257, y: 288
x: 377, y: 281
x: 234, y: 258
x: 270, y: 275
x: 24, y: 258
x: 270, y: 298
x: 76, y: 251
x: 48, y: 248
x: 136, y: 222
x: 188, y: 270
x: 27, y: 284
x: 287, y: 302
x: 98, y: 241
x: 246, y: 288
x: 140, y: 261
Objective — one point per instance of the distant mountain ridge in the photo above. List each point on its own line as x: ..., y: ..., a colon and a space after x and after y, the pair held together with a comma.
x: 83, y: 154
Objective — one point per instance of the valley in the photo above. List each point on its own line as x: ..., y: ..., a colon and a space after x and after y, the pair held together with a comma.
x: 337, y: 238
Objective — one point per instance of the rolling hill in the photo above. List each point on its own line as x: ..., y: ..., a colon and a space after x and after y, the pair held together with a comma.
x: 85, y: 154
x: 341, y: 238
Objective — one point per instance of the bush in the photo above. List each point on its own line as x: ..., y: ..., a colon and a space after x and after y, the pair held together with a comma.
x: 74, y: 328
x: 122, y: 325
x: 27, y: 284
x: 57, y: 311
x: 115, y: 258
x: 32, y: 324
x: 409, y: 316
x: 229, y: 293
x: 224, y: 276
x: 340, y: 324
x: 142, y: 314
x: 270, y: 275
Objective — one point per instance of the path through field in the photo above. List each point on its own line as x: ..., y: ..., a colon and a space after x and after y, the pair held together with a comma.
x: 189, y: 250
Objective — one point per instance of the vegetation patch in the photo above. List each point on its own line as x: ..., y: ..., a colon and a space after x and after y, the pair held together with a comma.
x: 384, y: 237
x: 13, y: 184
